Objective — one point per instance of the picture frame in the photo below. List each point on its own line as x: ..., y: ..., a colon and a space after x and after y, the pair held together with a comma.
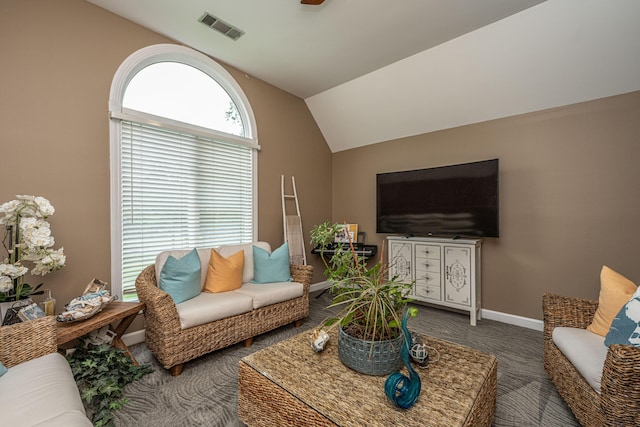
x: 347, y: 233
x: 31, y: 312
x: 11, y: 312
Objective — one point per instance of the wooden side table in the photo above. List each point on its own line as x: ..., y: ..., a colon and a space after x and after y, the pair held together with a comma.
x: 124, y: 312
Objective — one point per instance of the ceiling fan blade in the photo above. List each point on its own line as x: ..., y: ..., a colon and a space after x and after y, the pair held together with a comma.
x: 312, y: 2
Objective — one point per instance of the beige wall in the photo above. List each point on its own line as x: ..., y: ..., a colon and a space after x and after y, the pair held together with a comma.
x: 569, y: 196
x: 58, y: 59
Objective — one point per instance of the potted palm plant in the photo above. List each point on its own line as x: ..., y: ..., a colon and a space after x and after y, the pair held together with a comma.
x: 371, y: 302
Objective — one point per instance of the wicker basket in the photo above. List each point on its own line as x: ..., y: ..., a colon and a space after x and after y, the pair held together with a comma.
x: 358, y: 354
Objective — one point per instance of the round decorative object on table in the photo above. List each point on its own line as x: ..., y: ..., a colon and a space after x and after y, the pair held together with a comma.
x: 419, y: 354
x: 415, y: 338
x: 319, y: 339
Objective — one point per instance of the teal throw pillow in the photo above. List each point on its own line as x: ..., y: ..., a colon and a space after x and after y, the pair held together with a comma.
x: 3, y: 369
x: 271, y: 268
x: 180, y: 278
x: 625, y: 328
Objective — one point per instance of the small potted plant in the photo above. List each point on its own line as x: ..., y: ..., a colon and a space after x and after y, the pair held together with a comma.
x: 372, y: 305
x: 27, y: 240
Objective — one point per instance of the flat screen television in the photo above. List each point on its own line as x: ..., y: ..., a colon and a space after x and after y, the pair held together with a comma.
x: 448, y: 201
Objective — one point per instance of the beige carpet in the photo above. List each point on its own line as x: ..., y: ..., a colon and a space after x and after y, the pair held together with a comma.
x: 206, y: 393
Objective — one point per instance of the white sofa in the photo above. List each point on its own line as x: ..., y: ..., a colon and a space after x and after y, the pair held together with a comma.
x: 38, y: 389
x: 177, y: 333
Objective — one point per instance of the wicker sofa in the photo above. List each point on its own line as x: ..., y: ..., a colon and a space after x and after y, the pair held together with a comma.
x: 173, y: 345
x: 618, y: 402
x: 38, y: 389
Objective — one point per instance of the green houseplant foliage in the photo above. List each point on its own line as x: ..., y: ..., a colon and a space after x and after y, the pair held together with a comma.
x: 372, y: 302
x: 101, y: 372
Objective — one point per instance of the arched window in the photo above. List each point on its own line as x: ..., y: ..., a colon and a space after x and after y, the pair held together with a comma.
x: 183, y: 159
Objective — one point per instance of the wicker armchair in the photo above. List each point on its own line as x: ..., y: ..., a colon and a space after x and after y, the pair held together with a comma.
x: 27, y: 340
x: 618, y: 403
x: 173, y: 346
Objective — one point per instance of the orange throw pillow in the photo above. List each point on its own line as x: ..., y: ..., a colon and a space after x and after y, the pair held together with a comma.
x: 615, y: 292
x: 224, y: 274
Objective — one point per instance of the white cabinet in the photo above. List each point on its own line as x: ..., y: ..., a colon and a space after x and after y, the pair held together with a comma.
x: 445, y: 272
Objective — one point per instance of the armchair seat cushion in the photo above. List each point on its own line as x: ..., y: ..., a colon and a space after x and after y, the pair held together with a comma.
x: 41, y: 391
x: 208, y: 307
x: 585, y: 350
x: 265, y: 294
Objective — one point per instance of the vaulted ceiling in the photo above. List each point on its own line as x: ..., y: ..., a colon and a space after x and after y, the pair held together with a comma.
x: 376, y: 70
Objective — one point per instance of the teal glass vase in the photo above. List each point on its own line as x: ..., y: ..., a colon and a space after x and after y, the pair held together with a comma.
x: 403, y: 391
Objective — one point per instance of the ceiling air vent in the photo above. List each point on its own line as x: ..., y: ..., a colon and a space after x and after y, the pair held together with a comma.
x: 221, y: 26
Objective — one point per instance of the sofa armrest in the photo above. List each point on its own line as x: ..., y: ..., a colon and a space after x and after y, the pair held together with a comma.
x: 620, y: 390
x: 159, y: 306
x: 302, y: 274
x: 27, y: 340
x: 565, y: 311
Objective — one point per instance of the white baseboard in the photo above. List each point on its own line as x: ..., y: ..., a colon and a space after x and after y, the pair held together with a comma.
x: 135, y: 337
x: 512, y: 319
x: 320, y: 286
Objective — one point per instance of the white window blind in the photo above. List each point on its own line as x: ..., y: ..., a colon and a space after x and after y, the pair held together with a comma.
x: 180, y: 191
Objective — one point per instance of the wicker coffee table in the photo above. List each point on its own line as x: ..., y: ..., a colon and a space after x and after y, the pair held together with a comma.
x: 288, y: 384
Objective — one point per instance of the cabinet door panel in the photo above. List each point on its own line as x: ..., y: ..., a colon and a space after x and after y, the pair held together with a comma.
x: 457, y: 286
x: 400, y: 260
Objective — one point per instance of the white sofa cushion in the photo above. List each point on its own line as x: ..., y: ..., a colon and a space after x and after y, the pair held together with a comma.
x: 208, y: 307
x: 69, y: 418
x: 585, y: 350
x: 205, y: 254
x: 264, y: 294
x: 41, y: 391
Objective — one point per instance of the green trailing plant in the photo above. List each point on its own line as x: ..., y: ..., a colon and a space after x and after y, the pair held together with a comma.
x: 101, y: 372
x: 371, y: 300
